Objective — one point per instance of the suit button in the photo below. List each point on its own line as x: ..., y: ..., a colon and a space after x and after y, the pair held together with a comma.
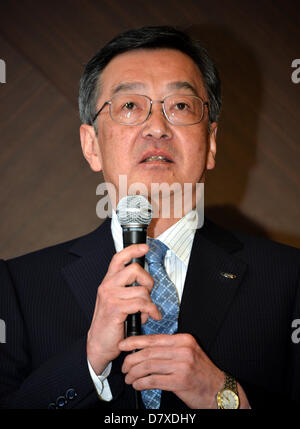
x: 61, y: 401
x: 70, y: 394
x: 52, y: 406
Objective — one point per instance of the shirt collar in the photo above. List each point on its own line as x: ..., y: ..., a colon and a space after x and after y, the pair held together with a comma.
x: 179, y: 237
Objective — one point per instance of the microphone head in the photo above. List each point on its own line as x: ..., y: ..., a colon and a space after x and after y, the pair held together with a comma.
x: 134, y: 209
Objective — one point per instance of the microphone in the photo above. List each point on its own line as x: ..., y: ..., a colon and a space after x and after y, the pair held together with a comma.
x: 134, y: 213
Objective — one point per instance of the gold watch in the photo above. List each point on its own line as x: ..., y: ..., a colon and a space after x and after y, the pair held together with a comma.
x: 228, y: 397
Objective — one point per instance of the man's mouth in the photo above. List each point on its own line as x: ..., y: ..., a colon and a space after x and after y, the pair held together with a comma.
x: 154, y: 155
x: 156, y: 158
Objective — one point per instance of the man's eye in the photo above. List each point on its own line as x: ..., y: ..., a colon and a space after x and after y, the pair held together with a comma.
x: 129, y: 105
x: 181, y: 106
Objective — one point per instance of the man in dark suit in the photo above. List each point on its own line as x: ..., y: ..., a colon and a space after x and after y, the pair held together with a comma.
x: 149, y: 103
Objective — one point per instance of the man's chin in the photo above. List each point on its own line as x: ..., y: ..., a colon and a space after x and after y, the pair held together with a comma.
x: 153, y: 187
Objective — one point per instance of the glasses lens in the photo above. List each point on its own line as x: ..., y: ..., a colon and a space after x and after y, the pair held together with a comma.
x: 129, y: 109
x: 183, y: 109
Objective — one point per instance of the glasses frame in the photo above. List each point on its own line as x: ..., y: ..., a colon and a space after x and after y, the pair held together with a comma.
x: 109, y: 102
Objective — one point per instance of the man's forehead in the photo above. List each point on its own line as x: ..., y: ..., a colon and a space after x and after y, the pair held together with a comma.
x: 135, y: 70
x: 132, y: 86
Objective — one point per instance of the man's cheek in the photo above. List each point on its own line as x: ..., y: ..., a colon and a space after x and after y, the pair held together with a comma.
x: 111, y: 147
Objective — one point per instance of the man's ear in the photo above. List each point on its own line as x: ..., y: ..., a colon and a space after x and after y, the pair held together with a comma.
x: 90, y: 147
x: 212, y: 146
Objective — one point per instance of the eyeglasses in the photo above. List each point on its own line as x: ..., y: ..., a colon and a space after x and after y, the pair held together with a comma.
x: 135, y: 109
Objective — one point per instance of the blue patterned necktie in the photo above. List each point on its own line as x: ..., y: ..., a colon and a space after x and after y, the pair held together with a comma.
x: 164, y: 295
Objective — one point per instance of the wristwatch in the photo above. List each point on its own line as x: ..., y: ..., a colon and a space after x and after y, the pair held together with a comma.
x: 228, y: 397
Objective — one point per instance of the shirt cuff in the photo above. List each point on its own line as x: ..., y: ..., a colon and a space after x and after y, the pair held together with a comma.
x: 100, y: 382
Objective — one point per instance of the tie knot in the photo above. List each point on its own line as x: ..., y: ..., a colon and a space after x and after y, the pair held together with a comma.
x: 157, y: 251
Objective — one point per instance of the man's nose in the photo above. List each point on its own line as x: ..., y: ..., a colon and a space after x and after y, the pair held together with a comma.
x: 157, y: 125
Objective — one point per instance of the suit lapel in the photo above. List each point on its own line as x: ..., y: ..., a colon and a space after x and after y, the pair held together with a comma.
x: 85, y: 274
x: 207, y: 292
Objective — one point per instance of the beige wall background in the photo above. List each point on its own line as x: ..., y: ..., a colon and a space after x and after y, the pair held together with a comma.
x: 48, y: 194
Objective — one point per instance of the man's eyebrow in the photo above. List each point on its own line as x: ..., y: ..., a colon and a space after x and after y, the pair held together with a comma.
x: 182, y: 85
x: 127, y: 86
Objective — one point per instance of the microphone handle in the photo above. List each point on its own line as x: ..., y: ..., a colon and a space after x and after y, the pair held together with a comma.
x: 134, y: 235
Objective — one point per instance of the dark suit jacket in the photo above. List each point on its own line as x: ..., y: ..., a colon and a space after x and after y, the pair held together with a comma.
x: 47, y: 301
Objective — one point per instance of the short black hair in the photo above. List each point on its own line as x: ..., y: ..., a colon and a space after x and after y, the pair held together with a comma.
x: 153, y: 37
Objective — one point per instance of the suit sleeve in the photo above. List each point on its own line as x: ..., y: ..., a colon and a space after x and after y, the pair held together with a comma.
x: 63, y: 381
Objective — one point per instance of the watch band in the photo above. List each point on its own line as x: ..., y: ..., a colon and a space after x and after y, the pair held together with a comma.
x: 230, y: 383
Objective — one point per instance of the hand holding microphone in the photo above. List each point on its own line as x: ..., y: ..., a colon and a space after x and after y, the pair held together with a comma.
x: 134, y: 215
x: 115, y: 301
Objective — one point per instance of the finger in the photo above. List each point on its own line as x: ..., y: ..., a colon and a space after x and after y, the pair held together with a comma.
x: 142, y: 292
x: 132, y: 273
x: 147, y: 367
x: 134, y: 292
x: 117, y: 303
x: 149, y: 354
x: 144, y: 318
x: 157, y: 381
x: 143, y: 341
x: 123, y: 257
x: 136, y: 305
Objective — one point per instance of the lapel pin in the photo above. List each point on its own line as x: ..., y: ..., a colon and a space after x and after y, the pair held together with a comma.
x: 228, y: 275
